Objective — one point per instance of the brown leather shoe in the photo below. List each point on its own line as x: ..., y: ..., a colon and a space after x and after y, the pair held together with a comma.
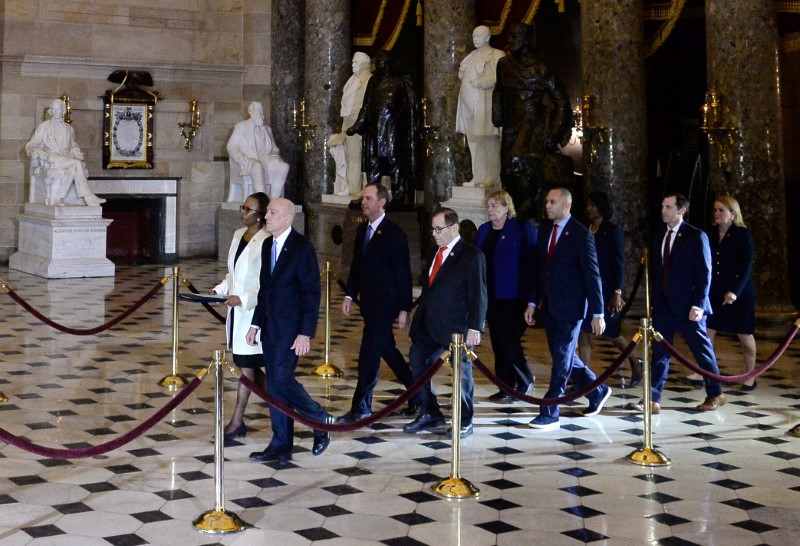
x: 711, y: 403
x: 655, y: 407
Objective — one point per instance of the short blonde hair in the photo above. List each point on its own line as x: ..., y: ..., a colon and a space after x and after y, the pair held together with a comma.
x: 503, y: 198
x: 732, y: 205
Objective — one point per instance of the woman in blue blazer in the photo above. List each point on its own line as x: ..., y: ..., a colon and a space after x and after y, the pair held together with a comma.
x: 509, y: 245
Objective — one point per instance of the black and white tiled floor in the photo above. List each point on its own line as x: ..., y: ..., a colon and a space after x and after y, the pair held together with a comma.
x: 735, y: 477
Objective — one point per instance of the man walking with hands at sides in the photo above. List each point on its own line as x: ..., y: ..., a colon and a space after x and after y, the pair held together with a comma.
x: 381, y: 273
x: 286, y: 317
x: 681, y: 279
x: 568, y: 278
x: 453, y: 300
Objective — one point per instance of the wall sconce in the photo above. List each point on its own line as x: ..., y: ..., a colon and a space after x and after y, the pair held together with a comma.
x: 305, y: 131
x: 430, y: 133
x: 591, y: 133
x: 67, y: 108
x: 713, y: 126
x: 189, y: 129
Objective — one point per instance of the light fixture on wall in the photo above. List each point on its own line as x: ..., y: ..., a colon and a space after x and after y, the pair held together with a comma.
x: 719, y: 128
x: 67, y: 108
x: 430, y: 133
x: 593, y: 134
x: 305, y: 131
x: 189, y: 129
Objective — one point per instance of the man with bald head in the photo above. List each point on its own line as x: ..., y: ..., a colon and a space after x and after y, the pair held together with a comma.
x: 286, y: 318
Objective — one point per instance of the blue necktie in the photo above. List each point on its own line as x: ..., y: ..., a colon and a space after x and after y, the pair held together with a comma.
x: 274, y: 257
x: 368, y: 237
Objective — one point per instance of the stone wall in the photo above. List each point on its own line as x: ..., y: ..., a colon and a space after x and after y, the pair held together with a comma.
x: 215, y: 51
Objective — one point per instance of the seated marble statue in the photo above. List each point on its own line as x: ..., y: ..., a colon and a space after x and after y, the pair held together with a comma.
x: 346, y: 150
x: 255, y: 159
x: 57, y: 163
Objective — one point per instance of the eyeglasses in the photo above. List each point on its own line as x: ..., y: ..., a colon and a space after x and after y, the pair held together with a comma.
x: 248, y: 210
x: 439, y: 229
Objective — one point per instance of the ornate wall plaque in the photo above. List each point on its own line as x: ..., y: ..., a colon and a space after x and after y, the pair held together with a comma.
x: 128, y: 124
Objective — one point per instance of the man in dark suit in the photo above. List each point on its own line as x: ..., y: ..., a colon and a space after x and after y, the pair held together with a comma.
x: 681, y: 263
x: 568, y: 278
x: 286, y: 316
x: 381, y: 273
x: 453, y: 300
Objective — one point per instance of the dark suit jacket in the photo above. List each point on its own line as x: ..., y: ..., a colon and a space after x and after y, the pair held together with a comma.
x: 288, y: 298
x: 514, y: 258
x: 572, y: 277
x: 382, y: 272
x: 610, y: 245
x: 732, y: 263
x: 456, y: 301
x: 689, y: 272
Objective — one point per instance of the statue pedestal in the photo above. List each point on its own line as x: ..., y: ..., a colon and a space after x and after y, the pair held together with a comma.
x: 468, y: 203
x: 62, y: 242
x: 229, y: 220
x: 336, y: 199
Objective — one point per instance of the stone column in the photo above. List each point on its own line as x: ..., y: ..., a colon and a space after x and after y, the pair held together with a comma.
x: 326, y: 71
x: 742, y: 44
x: 612, y: 61
x: 288, y: 49
x: 448, y: 39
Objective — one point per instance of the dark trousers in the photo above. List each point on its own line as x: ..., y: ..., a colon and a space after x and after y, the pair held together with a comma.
x: 562, y: 339
x: 694, y: 333
x: 280, y: 364
x: 506, y: 327
x: 377, y: 341
x: 424, y: 352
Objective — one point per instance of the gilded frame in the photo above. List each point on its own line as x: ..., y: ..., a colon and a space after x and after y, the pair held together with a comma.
x: 128, y: 129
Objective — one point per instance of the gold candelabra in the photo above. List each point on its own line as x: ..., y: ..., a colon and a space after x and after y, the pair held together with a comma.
x: 591, y: 133
x: 721, y: 133
x: 430, y: 133
x: 189, y: 129
x: 67, y: 108
x: 305, y: 131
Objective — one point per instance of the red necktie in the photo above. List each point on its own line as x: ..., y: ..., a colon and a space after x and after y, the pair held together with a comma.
x: 552, y: 247
x: 437, y: 263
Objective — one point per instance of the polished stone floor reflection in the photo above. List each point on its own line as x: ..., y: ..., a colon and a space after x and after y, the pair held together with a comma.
x: 735, y: 477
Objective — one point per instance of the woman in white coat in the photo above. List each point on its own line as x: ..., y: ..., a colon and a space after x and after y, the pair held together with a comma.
x: 241, y: 288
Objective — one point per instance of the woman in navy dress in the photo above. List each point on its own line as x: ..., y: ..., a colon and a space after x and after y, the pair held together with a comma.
x: 732, y: 292
x: 610, y: 245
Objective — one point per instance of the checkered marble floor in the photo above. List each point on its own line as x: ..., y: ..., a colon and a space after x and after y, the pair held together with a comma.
x: 734, y: 479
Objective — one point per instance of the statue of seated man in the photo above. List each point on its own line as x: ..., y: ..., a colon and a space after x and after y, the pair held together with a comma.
x: 57, y: 157
x: 252, y: 148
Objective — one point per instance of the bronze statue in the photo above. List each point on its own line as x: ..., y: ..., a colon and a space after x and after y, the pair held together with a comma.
x: 529, y: 158
x: 388, y: 123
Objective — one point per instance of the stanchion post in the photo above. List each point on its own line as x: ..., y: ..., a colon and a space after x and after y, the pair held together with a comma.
x: 174, y: 381
x: 218, y: 520
x: 327, y: 369
x: 456, y: 487
x: 5, y: 288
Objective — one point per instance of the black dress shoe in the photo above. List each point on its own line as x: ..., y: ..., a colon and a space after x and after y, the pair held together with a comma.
x: 466, y: 430
x: 350, y: 417
x: 501, y: 397
x: 749, y: 388
x: 409, y: 411
x: 426, y: 421
x: 229, y: 438
x: 269, y: 455
x: 322, y: 439
x: 636, y: 377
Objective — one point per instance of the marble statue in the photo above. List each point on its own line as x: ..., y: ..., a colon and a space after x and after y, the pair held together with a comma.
x: 346, y: 150
x: 57, y: 163
x: 388, y: 123
x: 254, y: 157
x: 474, y: 111
x: 531, y: 129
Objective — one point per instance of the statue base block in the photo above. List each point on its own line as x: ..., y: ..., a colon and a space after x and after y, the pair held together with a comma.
x: 62, y: 242
x: 468, y: 203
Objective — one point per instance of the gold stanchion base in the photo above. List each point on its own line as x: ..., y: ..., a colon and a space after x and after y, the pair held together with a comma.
x: 794, y: 431
x: 456, y: 488
x: 218, y: 521
x: 173, y: 382
x: 3, y: 398
x: 648, y: 457
x: 328, y: 370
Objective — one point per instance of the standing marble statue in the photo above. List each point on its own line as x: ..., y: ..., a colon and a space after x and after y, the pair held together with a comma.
x: 57, y: 162
x: 255, y: 158
x: 346, y: 150
x: 531, y: 129
x: 474, y: 111
x: 389, y: 125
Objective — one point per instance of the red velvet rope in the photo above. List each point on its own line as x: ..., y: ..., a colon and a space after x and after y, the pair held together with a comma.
x: 635, y: 290
x: 89, y: 331
x: 506, y: 388
x: 210, y: 309
x: 373, y: 418
x: 108, y: 446
x: 731, y: 379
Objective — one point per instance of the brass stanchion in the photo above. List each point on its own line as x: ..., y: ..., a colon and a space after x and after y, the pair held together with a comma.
x: 218, y: 520
x: 5, y: 288
x: 647, y: 455
x: 327, y: 369
x: 174, y: 381
x: 794, y: 431
x: 456, y: 487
